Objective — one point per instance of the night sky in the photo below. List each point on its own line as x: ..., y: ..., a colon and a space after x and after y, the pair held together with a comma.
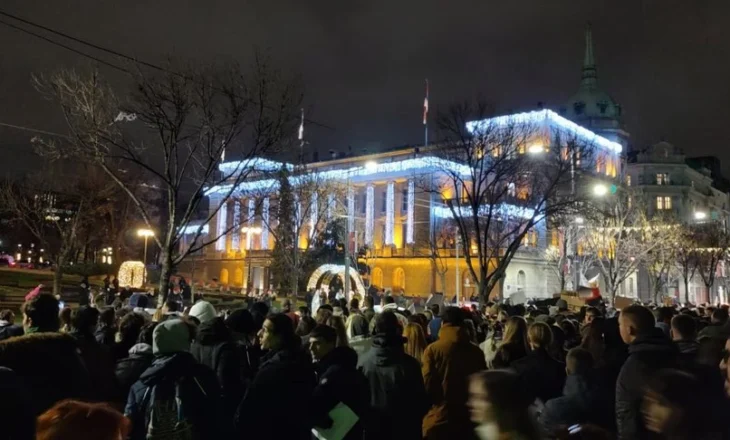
x: 363, y: 63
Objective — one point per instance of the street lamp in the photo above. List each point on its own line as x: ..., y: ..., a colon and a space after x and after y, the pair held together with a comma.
x: 600, y: 190
x: 146, y: 233
x: 371, y: 166
x: 699, y: 215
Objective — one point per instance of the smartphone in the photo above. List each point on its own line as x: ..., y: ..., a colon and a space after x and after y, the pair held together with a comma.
x: 61, y: 305
x: 575, y: 429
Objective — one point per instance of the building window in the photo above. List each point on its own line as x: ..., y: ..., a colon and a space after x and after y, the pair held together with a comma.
x: 384, y: 204
x: 404, y: 201
x: 663, y: 203
x: 363, y: 205
x: 662, y: 179
x: 521, y: 280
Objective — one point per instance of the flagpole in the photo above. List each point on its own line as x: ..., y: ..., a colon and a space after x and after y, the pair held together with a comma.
x: 301, y: 139
x: 425, y: 117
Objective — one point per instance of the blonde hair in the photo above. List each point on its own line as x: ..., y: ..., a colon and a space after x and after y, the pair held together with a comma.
x: 337, y: 323
x: 540, y: 335
x: 515, y: 331
x: 415, y: 343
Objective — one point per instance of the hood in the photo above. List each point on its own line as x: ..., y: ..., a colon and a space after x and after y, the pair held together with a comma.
x: 687, y: 347
x: 344, y: 357
x: 213, y: 332
x: 174, y: 365
x: 203, y: 311
x: 577, y: 385
x: 652, y: 343
x: 388, y: 350
x: 141, y: 349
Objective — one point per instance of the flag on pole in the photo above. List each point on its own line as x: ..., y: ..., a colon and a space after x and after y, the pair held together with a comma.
x: 301, y: 127
x: 425, y: 106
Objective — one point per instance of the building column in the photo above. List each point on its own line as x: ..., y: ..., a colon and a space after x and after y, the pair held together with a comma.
x: 411, y: 206
x: 389, y: 212
x: 369, y: 213
x: 220, y: 244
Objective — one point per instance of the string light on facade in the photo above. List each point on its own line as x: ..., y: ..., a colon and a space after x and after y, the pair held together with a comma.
x: 193, y: 229
x: 251, y: 214
x: 255, y: 164
x: 503, y: 209
x: 236, y: 236
x: 265, y: 231
x: 220, y: 244
x: 351, y: 208
x: 389, y: 214
x: 369, y: 220
x: 313, y: 214
x: 410, y: 215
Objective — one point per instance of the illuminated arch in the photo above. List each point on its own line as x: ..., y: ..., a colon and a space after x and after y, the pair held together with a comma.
x: 376, y: 277
x: 327, y: 272
x: 399, y: 279
x: 238, y: 277
x: 224, y: 277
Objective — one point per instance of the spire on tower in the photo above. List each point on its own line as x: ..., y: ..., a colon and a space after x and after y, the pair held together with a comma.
x: 590, y: 73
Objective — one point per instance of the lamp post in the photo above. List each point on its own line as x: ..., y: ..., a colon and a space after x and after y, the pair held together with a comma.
x: 146, y: 233
x: 249, y: 231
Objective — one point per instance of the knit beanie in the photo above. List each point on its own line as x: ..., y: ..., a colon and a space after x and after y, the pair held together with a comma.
x: 171, y: 336
x: 203, y: 311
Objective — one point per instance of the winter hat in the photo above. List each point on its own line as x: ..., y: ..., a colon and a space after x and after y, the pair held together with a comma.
x: 171, y: 336
x: 203, y: 311
x: 241, y: 321
x: 561, y: 304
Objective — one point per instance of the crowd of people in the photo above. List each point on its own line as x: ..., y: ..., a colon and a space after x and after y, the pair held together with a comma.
x: 496, y: 372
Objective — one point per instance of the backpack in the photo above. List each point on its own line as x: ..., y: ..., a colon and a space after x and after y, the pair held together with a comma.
x: 166, y: 419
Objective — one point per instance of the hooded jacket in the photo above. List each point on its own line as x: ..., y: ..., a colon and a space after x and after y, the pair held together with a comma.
x: 199, y: 396
x: 398, y: 398
x: 338, y: 380
x: 586, y: 399
x: 214, y: 348
x: 447, y: 365
x: 647, y: 354
x: 99, y: 365
x: 49, y: 365
x: 283, y: 386
x: 129, y: 369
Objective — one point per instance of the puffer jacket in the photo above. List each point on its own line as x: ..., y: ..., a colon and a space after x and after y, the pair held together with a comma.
x: 647, y: 355
x: 283, y: 385
x: 398, y: 398
x: 215, y: 349
x: 338, y: 380
x: 129, y: 369
x: 199, y: 396
x: 49, y: 365
x: 447, y: 365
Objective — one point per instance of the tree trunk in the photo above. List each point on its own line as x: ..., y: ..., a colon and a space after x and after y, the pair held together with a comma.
x: 57, y: 276
x: 163, y: 285
x: 686, y: 290
x: 442, y: 279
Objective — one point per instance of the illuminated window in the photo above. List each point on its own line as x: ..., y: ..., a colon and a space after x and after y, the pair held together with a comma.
x: 399, y: 280
x: 628, y: 180
x: 577, y: 158
x: 521, y: 149
x: 376, y: 279
x: 511, y: 190
x: 554, y: 238
x: 663, y: 203
x: 662, y: 179
x: 496, y: 151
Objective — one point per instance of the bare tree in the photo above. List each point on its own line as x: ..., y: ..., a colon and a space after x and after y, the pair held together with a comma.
x: 713, y: 241
x: 686, y: 258
x: 184, y: 126
x: 298, y: 225
x: 54, y: 206
x: 561, y: 259
x: 661, y: 262
x: 499, y: 178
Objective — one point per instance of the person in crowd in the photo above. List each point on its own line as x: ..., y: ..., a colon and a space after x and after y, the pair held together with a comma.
x: 572, y: 337
x: 415, y: 343
x: 684, y: 336
x: 542, y: 375
x: 84, y: 291
x: 45, y: 361
x: 71, y: 419
x: 471, y: 331
x: 243, y: 332
x: 338, y: 380
x: 593, y: 340
x: 106, y: 332
x: 96, y: 357
x: 586, y: 397
x: 175, y: 396
x: 129, y: 330
x: 354, y: 306
x: 338, y: 323
x: 591, y: 314
x: 64, y: 317
x: 499, y: 407
x: 214, y: 348
x: 17, y: 415
x: 305, y: 326
x: 8, y: 328
x: 358, y: 333
x: 398, y: 398
x: 719, y: 329
x: 649, y: 351
x: 447, y: 364
x: 288, y: 309
x: 663, y: 317
x: 514, y: 344
x: 671, y: 409
x: 139, y: 357
x: 562, y: 306
x: 368, y: 308
x: 435, y: 324
x: 283, y: 385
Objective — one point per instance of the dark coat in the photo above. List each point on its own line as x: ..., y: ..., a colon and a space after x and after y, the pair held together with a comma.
x: 129, y: 369
x: 398, y: 398
x: 106, y: 336
x: 199, y: 396
x: 647, y: 355
x: 100, y: 367
x: 9, y: 331
x: 687, y: 353
x: 586, y: 399
x: 277, y: 403
x: 16, y: 410
x: 50, y: 367
x: 338, y: 380
x: 215, y: 349
x: 447, y: 365
x: 715, y: 331
x: 508, y: 353
x: 543, y: 377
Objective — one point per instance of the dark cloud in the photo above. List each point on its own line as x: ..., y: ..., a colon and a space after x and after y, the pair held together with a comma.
x: 364, y: 62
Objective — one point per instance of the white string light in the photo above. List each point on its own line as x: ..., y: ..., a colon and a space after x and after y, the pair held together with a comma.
x: 220, y: 244
x: 236, y: 236
x: 265, y: 229
x: 369, y: 220
x: 389, y: 214
x: 411, y: 207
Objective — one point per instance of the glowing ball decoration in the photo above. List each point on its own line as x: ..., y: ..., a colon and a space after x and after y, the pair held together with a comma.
x: 131, y: 274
